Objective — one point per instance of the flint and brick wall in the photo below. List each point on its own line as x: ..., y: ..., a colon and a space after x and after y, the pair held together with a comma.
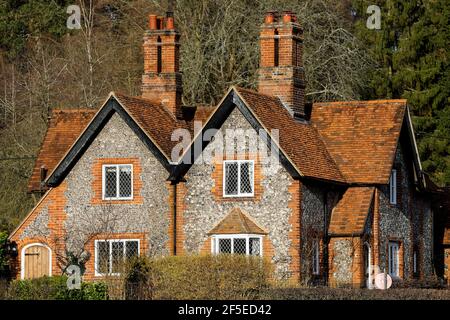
x: 74, y: 214
x: 274, y: 209
x: 408, y: 222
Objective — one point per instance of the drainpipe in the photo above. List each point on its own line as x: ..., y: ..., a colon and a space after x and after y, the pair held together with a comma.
x: 174, y: 209
x: 325, y: 237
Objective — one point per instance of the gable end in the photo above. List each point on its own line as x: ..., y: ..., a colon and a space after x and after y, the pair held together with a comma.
x: 90, y: 133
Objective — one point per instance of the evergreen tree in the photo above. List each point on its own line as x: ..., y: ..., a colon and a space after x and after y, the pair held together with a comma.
x: 413, y: 63
x: 21, y: 19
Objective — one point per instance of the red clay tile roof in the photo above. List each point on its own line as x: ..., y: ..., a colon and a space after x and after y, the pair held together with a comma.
x: 347, y: 141
x: 300, y: 141
x: 350, y: 214
x: 237, y: 222
x: 64, y: 128
x: 154, y: 119
x: 361, y: 136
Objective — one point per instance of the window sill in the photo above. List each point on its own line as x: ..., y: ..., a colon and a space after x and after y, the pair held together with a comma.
x: 135, y: 200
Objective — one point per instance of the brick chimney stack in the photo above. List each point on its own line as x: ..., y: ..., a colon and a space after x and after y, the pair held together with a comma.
x: 161, y: 81
x: 281, y: 70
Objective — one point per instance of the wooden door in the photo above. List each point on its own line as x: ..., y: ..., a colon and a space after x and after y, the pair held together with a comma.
x: 36, y: 262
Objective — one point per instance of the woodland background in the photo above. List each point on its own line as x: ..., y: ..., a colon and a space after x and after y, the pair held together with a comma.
x: 45, y: 65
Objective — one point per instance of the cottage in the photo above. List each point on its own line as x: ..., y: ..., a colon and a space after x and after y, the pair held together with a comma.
x: 328, y: 192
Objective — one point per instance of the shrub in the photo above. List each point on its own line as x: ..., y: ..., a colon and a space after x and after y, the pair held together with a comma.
x: 430, y: 282
x: 137, y: 282
x: 354, y: 294
x: 55, y: 288
x: 198, y: 277
x: 3, y: 253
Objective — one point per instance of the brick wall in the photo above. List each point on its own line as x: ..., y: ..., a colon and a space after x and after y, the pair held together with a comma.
x: 161, y: 81
x: 281, y: 71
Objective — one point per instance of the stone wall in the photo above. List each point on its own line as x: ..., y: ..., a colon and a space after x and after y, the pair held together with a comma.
x: 203, y: 209
x: 409, y: 221
x: 86, y: 216
x: 342, y: 261
x: 38, y: 227
x: 312, y: 225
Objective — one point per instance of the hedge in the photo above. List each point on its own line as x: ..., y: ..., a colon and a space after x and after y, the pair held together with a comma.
x: 55, y: 288
x: 325, y: 293
x: 197, y: 277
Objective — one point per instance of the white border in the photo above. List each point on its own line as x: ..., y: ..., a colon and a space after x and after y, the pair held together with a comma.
x: 98, y: 274
x: 246, y: 236
x: 22, y: 257
x: 239, y: 194
x: 117, y: 181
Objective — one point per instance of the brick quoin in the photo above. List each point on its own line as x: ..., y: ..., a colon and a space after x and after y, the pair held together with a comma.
x: 294, y: 234
x: 55, y: 201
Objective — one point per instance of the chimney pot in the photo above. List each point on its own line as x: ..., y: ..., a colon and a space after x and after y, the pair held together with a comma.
x: 281, y: 72
x: 287, y: 16
x: 160, y: 23
x: 152, y: 22
x: 270, y: 16
x: 161, y: 81
x: 170, y: 21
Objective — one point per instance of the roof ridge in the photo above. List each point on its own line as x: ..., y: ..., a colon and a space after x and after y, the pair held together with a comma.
x: 146, y: 100
x: 258, y: 93
x: 360, y: 102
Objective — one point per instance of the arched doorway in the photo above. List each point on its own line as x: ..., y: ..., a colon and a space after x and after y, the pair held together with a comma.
x: 36, y: 261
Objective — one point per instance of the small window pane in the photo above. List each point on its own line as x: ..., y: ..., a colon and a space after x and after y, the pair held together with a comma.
x: 254, y: 246
x: 239, y: 246
x: 102, y: 257
x: 315, y: 257
x: 224, y: 245
x: 231, y: 178
x: 132, y: 249
x: 116, y: 256
x: 246, y: 177
x: 125, y: 181
x: 110, y: 182
x: 393, y: 259
x: 393, y: 187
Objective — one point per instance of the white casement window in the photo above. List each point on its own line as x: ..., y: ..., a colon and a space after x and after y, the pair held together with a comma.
x: 393, y: 187
x: 110, y: 255
x: 315, y: 257
x: 246, y: 244
x: 393, y: 258
x: 238, y: 178
x: 117, y: 181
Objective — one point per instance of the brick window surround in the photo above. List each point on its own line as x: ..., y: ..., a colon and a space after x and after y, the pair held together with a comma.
x: 400, y: 255
x: 90, y: 247
x: 97, y: 181
x: 218, y: 172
